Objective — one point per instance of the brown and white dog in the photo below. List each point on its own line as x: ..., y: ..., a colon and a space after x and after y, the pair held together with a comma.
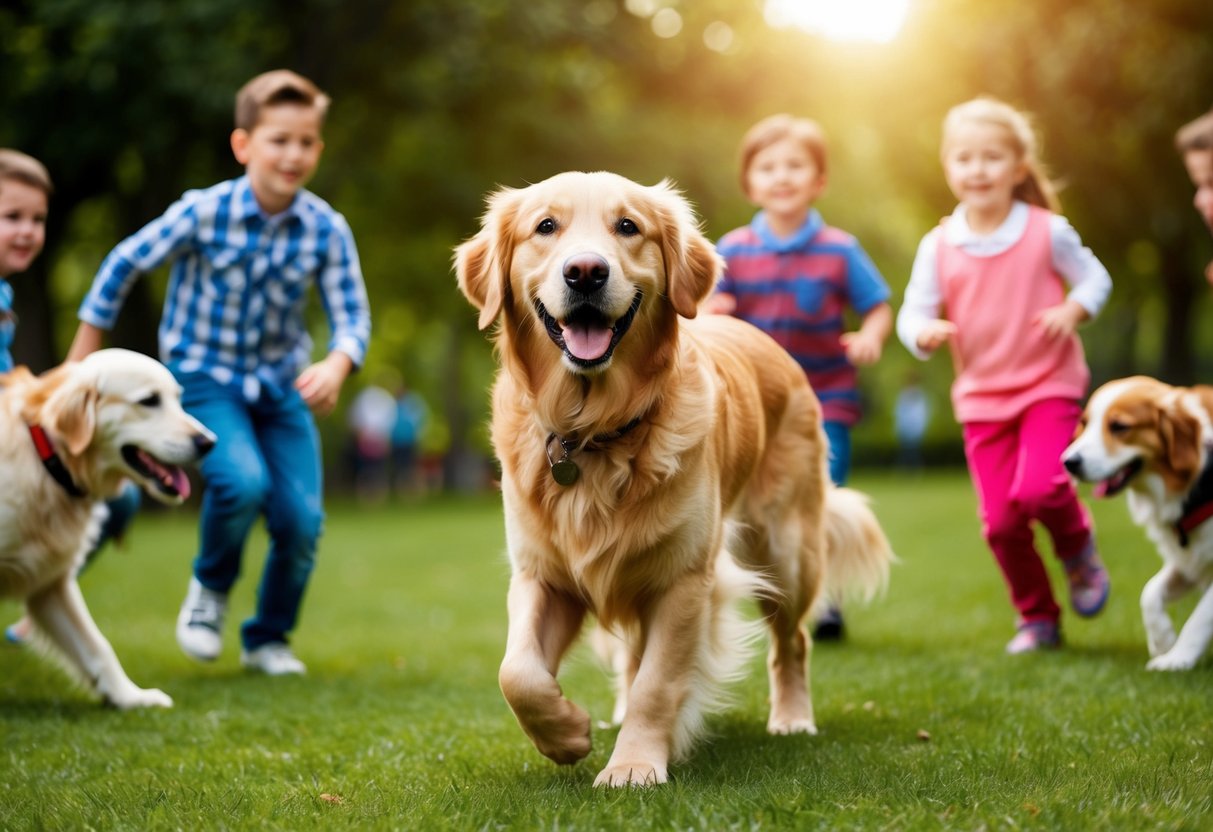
x: 68, y: 439
x: 654, y: 470
x: 1154, y: 440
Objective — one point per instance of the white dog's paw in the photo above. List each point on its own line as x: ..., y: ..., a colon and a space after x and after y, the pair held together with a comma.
x: 1172, y: 660
x: 618, y: 775
x: 1160, y: 642
x: 134, y: 697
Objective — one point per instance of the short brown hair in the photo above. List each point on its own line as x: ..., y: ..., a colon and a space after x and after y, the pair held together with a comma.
x: 776, y: 128
x: 1196, y: 134
x: 278, y: 86
x: 21, y: 167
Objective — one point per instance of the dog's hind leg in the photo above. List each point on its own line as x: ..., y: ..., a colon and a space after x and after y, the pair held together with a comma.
x: 797, y: 548
x: 543, y: 623
x: 60, y: 612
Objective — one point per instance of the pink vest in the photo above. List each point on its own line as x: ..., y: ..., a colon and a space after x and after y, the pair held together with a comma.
x: 1003, y: 361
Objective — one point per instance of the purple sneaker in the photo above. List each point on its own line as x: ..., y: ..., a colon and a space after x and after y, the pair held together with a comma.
x: 1033, y: 636
x: 1089, y: 583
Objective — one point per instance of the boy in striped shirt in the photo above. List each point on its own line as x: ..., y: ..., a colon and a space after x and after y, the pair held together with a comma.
x: 793, y: 277
x: 244, y: 256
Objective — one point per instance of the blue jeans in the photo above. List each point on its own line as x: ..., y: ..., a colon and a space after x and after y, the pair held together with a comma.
x: 839, y: 437
x: 266, y: 461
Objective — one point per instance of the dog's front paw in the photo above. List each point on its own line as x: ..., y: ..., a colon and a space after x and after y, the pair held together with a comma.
x: 617, y: 775
x: 791, y: 726
x: 1160, y: 641
x: 563, y: 736
x: 1172, y: 660
x: 134, y: 697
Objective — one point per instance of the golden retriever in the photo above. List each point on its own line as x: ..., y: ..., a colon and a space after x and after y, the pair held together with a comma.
x: 1155, y: 441
x: 69, y: 438
x: 655, y: 469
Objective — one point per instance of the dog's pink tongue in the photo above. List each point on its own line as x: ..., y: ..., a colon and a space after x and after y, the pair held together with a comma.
x: 181, y: 482
x: 586, y: 342
x: 1100, y: 489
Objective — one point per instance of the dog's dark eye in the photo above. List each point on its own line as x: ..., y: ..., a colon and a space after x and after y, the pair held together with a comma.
x: 151, y: 401
x: 1117, y: 427
x: 627, y: 227
x: 546, y: 226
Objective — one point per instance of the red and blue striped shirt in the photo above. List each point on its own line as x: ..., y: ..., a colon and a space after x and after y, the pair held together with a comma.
x: 796, y: 289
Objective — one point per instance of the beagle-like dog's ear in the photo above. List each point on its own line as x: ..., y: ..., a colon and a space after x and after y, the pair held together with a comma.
x: 70, y: 409
x: 482, y: 263
x: 1179, y: 432
x: 692, y: 265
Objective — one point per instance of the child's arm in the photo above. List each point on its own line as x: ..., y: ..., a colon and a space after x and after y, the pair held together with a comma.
x: 88, y: 340
x: 865, y: 344
x: 343, y: 295
x: 919, y: 326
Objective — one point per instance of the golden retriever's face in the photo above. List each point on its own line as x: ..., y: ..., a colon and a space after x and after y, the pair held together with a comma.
x: 121, y: 411
x: 580, y: 257
x: 1133, y: 425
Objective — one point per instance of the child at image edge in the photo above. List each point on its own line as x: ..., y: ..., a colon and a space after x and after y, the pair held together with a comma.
x: 792, y: 276
x: 244, y: 255
x: 25, y: 190
x: 1194, y: 141
x: 995, y: 269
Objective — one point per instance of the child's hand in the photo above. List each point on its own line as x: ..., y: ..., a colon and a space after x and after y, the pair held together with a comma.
x: 863, y: 348
x: 935, y: 334
x: 720, y: 303
x: 1061, y: 320
x: 320, y: 384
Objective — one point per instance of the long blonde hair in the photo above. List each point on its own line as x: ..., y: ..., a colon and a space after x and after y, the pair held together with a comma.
x: 1036, y: 188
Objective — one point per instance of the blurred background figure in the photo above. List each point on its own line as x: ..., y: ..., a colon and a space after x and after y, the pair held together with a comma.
x: 412, y: 413
x: 911, y: 415
x: 372, y: 421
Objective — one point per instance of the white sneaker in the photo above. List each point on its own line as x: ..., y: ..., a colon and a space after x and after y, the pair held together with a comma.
x: 273, y: 659
x: 200, y: 622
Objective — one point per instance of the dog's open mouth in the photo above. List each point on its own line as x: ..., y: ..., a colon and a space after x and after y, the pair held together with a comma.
x: 1117, y: 482
x: 585, y: 336
x: 169, y: 480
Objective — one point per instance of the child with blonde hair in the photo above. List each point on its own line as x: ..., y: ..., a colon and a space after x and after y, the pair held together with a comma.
x: 1005, y: 281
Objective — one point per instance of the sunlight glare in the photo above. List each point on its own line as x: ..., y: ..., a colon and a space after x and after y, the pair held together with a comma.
x: 867, y: 20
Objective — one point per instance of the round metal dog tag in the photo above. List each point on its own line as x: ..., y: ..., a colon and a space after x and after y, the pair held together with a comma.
x: 565, y: 471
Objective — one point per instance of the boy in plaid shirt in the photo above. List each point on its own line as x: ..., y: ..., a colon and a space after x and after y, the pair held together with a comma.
x: 244, y: 255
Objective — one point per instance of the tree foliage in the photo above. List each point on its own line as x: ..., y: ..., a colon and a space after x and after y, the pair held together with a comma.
x: 437, y: 103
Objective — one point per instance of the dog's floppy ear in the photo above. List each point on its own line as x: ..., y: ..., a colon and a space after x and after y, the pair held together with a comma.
x: 70, y: 409
x: 1180, y: 435
x: 692, y: 265
x: 482, y: 263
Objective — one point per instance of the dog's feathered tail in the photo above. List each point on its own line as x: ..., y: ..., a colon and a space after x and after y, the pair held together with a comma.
x: 857, y: 551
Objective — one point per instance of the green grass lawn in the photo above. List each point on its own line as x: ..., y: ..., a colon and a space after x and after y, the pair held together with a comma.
x: 925, y: 724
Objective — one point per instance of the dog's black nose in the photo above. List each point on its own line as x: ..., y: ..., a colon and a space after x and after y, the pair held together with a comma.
x: 586, y: 273
x: 1073, y: 464
x: 203, y: 443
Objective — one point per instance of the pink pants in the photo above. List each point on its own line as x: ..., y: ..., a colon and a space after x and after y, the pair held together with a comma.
x: 1016, y: 469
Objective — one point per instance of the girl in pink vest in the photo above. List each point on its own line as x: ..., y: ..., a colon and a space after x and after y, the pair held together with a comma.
x: 1005, y: 282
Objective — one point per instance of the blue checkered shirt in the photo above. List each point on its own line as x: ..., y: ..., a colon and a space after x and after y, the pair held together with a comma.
x: 238, y: 287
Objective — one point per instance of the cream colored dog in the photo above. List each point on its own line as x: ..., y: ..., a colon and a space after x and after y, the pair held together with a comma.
x: 68, y: 439
x: 654, y: 470
x: 1155, y: 442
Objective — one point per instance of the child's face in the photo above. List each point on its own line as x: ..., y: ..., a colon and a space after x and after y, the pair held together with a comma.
x: 982, y: 167
x: 1200, y: 168
x: 280, y: 154
x: 783, y: 178
x: 22, y: 225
